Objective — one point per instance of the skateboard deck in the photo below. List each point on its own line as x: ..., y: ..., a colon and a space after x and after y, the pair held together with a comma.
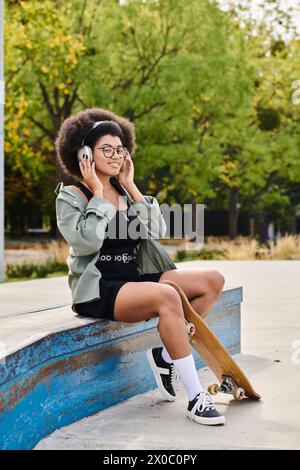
x: 232, y: 379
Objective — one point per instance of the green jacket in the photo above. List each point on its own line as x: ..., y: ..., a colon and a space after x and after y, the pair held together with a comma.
x: 78, y: 222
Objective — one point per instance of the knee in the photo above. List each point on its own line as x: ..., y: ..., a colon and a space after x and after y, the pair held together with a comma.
x: 216, y: 281
x: 170, y: 301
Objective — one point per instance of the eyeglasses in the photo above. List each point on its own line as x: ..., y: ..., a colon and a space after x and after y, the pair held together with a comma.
x: 109, y: 151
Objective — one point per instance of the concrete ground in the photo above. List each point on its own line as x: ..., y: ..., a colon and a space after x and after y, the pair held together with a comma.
x: 21, y: 297
x: 270, y: 356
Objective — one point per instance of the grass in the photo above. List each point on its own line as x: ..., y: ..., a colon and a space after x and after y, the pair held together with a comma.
x: 54, y: 266
x: 244, y: 248
x: 58, y: 250
x: 287, y: 247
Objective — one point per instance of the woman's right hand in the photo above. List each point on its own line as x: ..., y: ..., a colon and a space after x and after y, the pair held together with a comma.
x: 90, y: 177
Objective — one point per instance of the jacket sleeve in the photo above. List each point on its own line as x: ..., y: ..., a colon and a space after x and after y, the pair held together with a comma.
x: 84, y: 231
x: 149, y: 213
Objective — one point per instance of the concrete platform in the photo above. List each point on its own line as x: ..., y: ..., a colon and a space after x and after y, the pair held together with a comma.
x: 270, y: 356
x: 22, y: 297
x: 57, y: 367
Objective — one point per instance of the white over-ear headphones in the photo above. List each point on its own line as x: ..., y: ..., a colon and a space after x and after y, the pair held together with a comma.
x: 85, y: 149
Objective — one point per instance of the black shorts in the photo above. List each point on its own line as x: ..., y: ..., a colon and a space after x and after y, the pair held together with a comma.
x: 104, y: 307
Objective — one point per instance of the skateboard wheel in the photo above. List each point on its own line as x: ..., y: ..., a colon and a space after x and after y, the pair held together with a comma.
x: 239, y: 393
x: 213, y: 389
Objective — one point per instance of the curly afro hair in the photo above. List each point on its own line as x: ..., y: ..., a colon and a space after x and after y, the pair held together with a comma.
x: 78, y: 127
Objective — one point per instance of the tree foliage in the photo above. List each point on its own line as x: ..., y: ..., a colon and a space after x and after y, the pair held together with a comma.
x: 209, y: 92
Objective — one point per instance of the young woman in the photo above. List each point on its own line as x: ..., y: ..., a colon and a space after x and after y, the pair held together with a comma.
x: 120, y: 278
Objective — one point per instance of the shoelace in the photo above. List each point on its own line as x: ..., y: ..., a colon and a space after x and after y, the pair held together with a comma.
x: 204, y: 402
x: 175, y: 379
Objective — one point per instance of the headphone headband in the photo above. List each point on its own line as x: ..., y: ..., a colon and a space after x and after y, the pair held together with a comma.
x: 96, y: 123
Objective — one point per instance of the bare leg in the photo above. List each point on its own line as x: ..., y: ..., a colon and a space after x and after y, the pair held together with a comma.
x: 203, y: 303
x: 202, y: 287
x: 139, y: 301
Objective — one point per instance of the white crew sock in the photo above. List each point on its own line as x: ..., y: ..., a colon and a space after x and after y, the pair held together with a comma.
x: 165, y: 355
x: 187, y: 371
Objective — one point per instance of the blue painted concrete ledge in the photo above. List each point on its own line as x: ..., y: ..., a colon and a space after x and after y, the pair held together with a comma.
x: 57, y: 367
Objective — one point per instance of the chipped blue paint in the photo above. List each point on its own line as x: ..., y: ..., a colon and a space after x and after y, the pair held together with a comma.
x: 74, y: 373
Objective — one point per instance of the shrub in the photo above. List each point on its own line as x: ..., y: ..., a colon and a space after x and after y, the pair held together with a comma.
x: 34, y: 271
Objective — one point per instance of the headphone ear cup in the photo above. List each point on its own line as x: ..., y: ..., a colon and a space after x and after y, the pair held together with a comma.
x: 85, y: 150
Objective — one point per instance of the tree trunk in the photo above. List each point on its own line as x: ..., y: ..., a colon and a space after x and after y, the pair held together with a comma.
x: 293, y: 222
x: 233, y: 213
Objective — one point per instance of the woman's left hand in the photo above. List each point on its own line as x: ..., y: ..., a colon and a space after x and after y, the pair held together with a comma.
x: 126, y: 172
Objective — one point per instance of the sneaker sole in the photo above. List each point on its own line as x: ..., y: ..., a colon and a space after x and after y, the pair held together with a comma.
x: 206, y: 421
x: 159, y: 383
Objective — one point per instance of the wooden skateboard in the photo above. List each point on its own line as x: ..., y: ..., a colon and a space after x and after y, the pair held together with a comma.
x: 232, y: 379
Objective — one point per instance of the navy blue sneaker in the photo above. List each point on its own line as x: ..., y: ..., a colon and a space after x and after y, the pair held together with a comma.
x: 165, y: 374
x: 202, y: 410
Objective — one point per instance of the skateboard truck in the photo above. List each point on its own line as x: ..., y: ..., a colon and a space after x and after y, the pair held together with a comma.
x: 228, y: 386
